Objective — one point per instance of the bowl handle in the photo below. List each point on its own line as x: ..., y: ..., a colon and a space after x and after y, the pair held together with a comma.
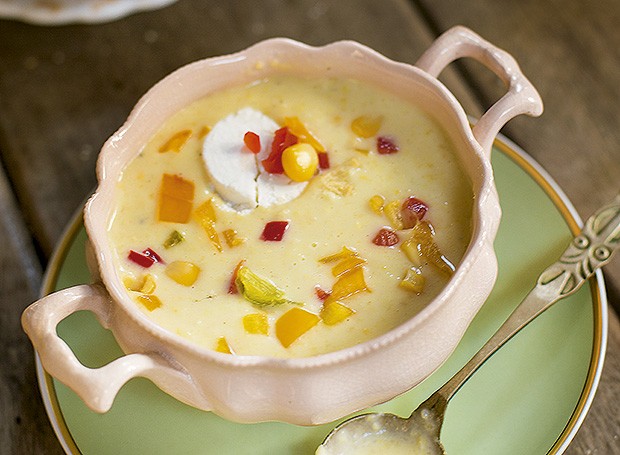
x: 521, y: 96
x: 97, y: 387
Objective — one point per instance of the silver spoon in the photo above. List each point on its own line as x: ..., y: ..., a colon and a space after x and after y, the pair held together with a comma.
x: 370, y: 433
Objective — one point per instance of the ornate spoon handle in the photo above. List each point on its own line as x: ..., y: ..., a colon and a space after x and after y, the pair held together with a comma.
x: 591, y: 249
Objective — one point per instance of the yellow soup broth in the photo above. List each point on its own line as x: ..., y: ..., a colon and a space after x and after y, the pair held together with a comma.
x: 332, y: 212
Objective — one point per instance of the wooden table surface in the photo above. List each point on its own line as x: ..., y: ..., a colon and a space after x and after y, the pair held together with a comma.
x: 65, y: 89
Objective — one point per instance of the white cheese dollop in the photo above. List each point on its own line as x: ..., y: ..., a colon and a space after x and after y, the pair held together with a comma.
x: 236, y: 173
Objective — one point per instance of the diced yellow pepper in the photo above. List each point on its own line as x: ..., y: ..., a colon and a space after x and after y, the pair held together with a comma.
x: 413, y: 281
x: 183, y: 272
x: 232, y: 239
x: 221, y: 345
x: 150, y: 302
x: 176, y: 196
x: 176, y: 142
x: 376, y: 203
x: 366, y: 126
x: 347, y: 264
x: 422, y: 235
x: 392, y: 212
x: 132, y: 283
x: 334, y: 312
x: 293, y: 324
x: 349, y: 283
x: 411, y: 249
x: 300, y: 130
x: 342, y: 254
x: 205, y: 215
x: 256, y: 323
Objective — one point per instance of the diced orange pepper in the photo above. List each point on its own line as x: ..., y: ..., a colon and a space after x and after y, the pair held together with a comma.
x: 151, y: 302
x: 293, y: 324
x: 349, y: 283
x: 256, y: 323
x: 176, y: 142
x: 366, y: 126
x: 299, y: 129
x: 222, y: 346
x: 176, y: 196
x: 392, y: 211
x: 205, y: 214
x: 334, y: 312
x: 347, y: 264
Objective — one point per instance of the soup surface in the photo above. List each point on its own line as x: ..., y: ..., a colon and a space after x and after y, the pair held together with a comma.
x: 215, y: 245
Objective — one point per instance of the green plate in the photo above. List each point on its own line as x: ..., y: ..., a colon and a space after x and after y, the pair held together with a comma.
x: 529, y: 398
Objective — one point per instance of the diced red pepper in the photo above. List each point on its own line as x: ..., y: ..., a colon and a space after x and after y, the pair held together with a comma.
x: 412, y: 211
x: 323, y: 160
x: 322, y: 294
x: 386, y: 145
x: 283, y: 138
x: 252, y: 141
x: 141, y: 259
x: 386, y: 237
x: 232, y: 287
x: 274, y: 231
x: 152, y: 254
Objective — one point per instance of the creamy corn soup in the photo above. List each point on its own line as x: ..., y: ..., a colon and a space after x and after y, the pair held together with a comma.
x: 291, y: 217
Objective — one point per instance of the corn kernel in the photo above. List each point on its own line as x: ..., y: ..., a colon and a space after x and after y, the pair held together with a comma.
x: 150, y: 302
x: 132, y: 283
x: 376, y: 203
x: 149, y: 284
x: 300, y: 162
x: 185, y: 273
x: 366, y: 126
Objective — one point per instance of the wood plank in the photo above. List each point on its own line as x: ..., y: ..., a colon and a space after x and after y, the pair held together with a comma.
x: 24, y: 427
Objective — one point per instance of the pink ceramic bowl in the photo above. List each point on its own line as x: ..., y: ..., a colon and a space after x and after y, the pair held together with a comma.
x: 302, y: 391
